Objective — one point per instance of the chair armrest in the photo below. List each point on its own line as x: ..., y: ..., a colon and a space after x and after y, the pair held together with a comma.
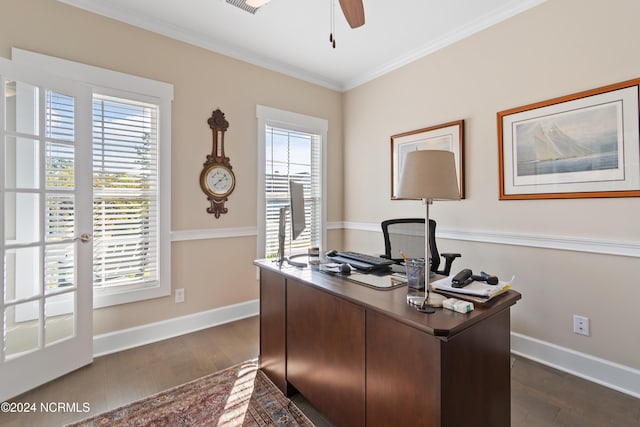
x: 448, y: 257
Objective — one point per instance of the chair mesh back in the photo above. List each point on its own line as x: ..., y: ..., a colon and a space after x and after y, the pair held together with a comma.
x: 408, y: 238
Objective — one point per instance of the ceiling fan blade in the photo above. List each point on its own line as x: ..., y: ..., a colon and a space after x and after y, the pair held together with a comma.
x: 354, y: 12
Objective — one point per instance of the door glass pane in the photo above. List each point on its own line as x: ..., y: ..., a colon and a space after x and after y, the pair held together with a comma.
x: 22, y: 163
x: 22, y: 112
x: 60, y: 217
x: 59, y: 317
x: 59, y: 166
x: 22, y: 217
x: 59, y: 123
x: 59, y: 265
x: 22, y: 328
x: 22, y: 273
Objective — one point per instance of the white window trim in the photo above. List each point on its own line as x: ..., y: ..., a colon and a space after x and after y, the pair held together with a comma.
x: 113, y: 83
x: 298, y: 122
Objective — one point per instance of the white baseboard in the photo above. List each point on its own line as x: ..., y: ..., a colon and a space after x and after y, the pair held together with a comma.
x: 604, y: 372
x: 612, y: 375
x: 128, y: 338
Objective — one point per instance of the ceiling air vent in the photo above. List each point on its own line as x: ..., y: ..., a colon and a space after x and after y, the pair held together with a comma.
x: 244, y: 5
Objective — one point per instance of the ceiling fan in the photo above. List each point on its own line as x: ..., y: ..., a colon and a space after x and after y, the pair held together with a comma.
x: 353, y: 11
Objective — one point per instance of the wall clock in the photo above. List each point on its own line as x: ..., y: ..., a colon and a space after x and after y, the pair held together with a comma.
x: 217, y: 179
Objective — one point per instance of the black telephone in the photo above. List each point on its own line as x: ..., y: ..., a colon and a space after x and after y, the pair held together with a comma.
x: 466, y: 276
x: 462, y: 279
x: 486, y: 277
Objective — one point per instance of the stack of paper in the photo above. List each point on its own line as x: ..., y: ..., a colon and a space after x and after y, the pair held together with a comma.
x: 476, y: 289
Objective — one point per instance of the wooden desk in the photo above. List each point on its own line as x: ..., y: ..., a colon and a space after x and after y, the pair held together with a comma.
x: 363, y: 357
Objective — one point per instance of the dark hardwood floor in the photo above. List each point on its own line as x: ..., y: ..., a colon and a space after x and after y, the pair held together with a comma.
x: 543, y: 396
x: 540, y: 396
x: 120, y: 378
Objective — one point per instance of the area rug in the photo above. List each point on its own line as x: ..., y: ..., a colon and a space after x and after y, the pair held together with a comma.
x: 241, y: 395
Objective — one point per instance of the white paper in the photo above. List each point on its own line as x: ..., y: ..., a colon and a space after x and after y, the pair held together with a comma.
x: 476, y: 288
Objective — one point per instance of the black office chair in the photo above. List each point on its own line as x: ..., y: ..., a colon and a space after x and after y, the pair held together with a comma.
x: 406, y: 235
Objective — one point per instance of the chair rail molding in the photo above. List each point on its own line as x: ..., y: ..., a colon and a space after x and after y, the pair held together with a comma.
x: 579, y: 244
x: 223, y: 233
x: 212, y: 233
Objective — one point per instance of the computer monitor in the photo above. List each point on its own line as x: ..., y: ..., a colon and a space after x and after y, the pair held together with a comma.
x: 298, y: 222
x: 296, y: 200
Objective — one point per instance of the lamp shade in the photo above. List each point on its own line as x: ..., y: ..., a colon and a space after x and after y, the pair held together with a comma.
x: 430, y: 175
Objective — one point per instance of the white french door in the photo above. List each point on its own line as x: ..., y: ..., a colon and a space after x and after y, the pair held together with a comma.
x: 45, y: 228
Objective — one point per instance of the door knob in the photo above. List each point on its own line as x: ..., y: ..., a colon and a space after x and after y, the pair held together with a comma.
x: 84, y: 237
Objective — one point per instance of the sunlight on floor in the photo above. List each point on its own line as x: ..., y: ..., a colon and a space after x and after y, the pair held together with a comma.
x: 239, y: 397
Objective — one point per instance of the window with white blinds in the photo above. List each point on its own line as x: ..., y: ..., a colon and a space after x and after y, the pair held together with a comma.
x: 291, y: 155
x: 125, y: 193
x: 290, y: 146
x: 129, y: 157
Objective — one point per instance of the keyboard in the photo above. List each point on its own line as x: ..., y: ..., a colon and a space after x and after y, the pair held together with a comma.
x: 362, y: 261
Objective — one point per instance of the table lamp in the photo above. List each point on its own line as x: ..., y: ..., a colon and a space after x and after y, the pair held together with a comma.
x: 428, y: 175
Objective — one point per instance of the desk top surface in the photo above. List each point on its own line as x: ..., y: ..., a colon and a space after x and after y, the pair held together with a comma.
x: 443, y: 323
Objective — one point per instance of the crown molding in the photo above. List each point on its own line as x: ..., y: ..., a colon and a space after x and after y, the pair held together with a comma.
x: 167, y: 29
x: 511, y: 9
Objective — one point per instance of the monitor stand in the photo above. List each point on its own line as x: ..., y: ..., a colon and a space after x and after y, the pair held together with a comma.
x: 281, y: 260
x: 296, y: 263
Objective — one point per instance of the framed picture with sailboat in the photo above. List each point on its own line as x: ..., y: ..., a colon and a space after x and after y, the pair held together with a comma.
x: 576, y: 146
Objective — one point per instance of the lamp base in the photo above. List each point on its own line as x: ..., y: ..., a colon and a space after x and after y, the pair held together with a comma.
x: 426, y: 308
x: 417, y: 298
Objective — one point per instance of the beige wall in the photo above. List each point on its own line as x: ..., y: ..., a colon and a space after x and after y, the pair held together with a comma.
x: 557, y: 48
x: 214, y: 272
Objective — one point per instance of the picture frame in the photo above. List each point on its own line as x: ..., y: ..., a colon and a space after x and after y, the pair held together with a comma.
x: 447, y: 136
x: 582, y: 145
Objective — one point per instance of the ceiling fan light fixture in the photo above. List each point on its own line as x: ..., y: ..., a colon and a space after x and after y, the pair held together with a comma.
x: 257, y: 3
x: 250, y: 6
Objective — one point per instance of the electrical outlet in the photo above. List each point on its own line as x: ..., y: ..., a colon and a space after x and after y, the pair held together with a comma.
x: 179, y: 295
x: 580, y: 325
